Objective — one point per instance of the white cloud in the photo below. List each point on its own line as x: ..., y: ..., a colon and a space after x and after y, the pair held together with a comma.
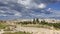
x: 31, y: 4
x: 56, y: 13
x: 41, y: 5
x: 49, y: 9
x: 2, y: 11
x: 5, y: 1
x: 26, y: 3
x: 17, y: 14
x: 3, y: 15
x: 6, y: 11
x: 58, y: 0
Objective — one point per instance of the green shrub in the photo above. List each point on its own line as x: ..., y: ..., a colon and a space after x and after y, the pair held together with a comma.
x: 16, y: 33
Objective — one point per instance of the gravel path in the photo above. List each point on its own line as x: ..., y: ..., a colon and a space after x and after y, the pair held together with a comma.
x: 37, y: 30
x: 1, y: 31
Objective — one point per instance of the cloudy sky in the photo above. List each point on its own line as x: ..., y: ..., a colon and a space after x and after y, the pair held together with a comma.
x: 12, y: 9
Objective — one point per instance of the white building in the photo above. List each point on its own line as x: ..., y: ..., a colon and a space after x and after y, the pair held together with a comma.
x: 47, y: 20
x: 50, y: 20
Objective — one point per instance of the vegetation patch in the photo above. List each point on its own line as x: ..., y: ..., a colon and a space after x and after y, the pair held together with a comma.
x: 43, y: 24
x: 16, y: 33
x: 2, y: 26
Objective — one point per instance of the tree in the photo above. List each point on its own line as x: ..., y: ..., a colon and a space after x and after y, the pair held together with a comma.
x: 43, y: 22
x: 37, y: 20
x: 34, y: 21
